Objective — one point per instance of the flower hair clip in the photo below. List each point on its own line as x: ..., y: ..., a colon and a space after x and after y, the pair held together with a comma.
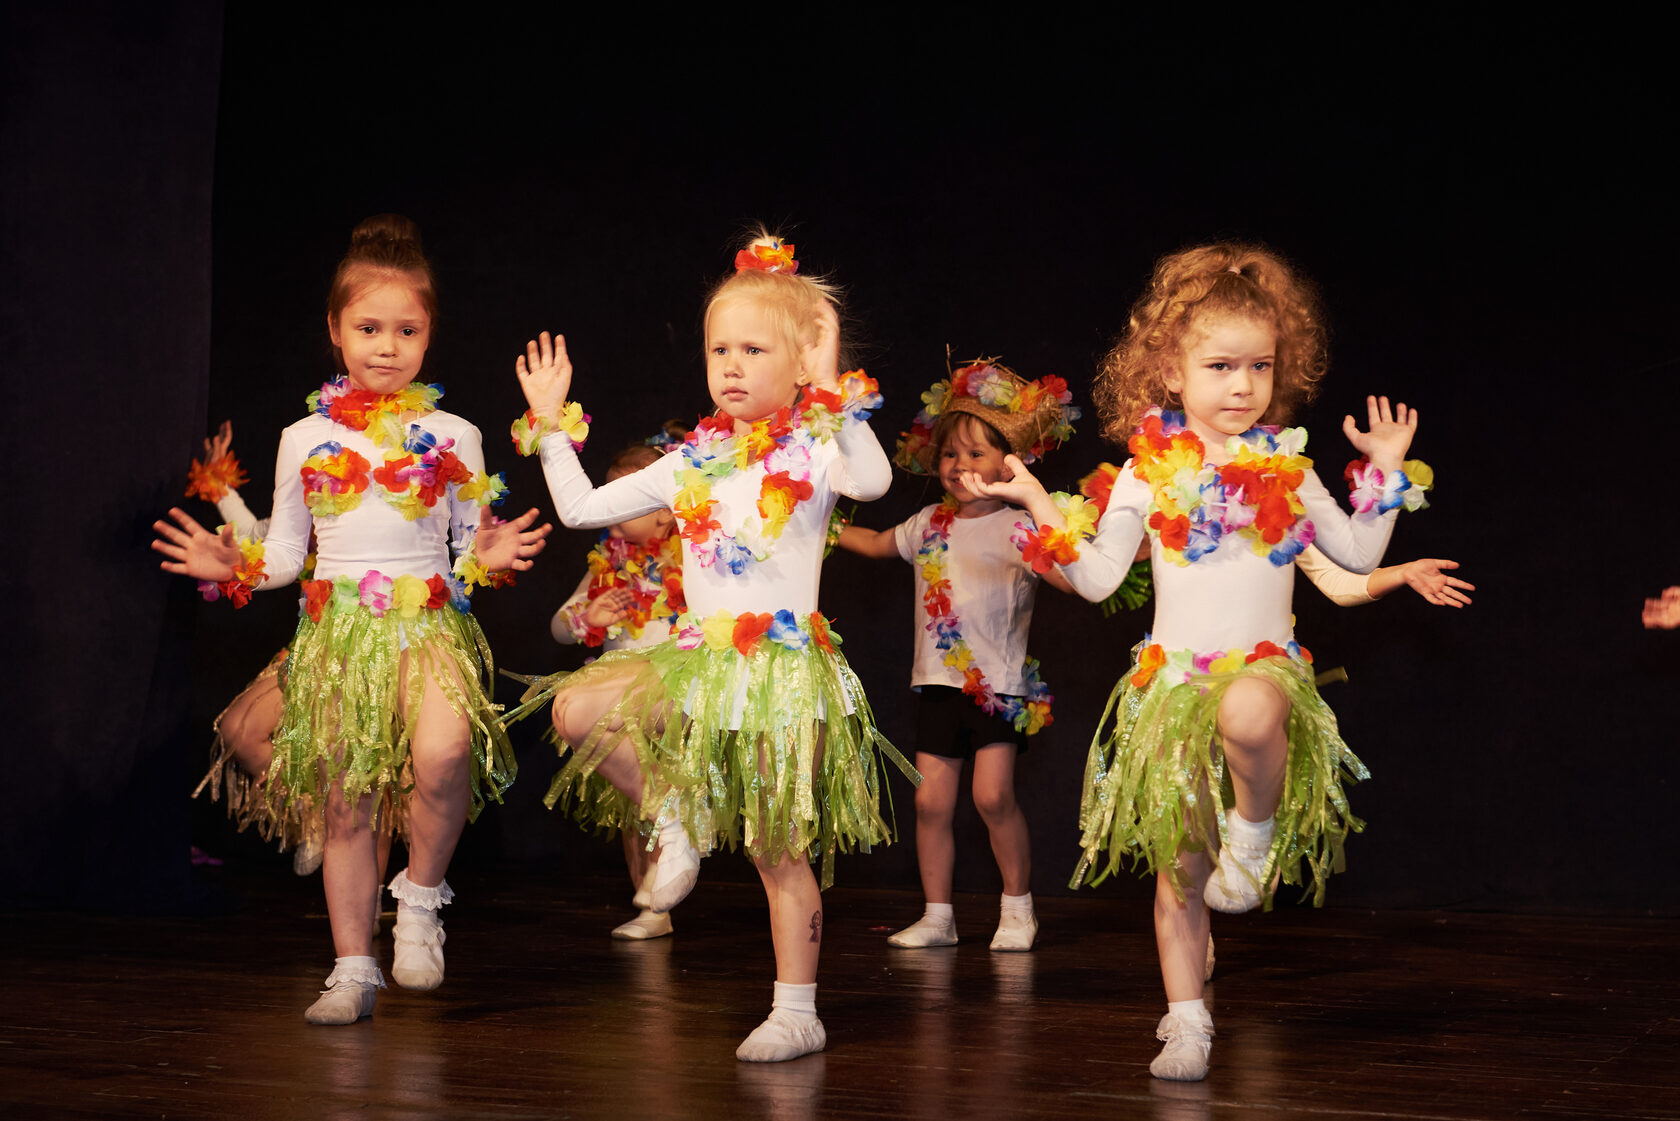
x: 768, y: 254
x: 1034, y: 416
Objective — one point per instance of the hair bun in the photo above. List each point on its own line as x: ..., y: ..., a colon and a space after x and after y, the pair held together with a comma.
x: 385, y: 228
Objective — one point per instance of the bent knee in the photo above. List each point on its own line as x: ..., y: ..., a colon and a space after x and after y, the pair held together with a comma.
x: 1252, y: 712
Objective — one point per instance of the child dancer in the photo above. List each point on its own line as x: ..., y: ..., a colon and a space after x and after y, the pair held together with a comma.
x: 628, y: 601
x: 747, y: 727
x: 385, y: 692
x: 1220, y: 692
x: 979, y: 695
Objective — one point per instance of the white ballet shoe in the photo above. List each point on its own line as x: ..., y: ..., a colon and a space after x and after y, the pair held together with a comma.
x: 1207, y: 967
x: 417, y: 962
x: 644, y: 926
x: 925, y: 932
x: 1015, y: 932
x: 1234, y: 886
x: 1189, y: 1042
x: 782, y: 1037
x: 348, y: 996
x: 674, y: 874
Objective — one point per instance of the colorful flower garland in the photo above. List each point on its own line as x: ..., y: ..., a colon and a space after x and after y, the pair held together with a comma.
x: 1026, y: 713
x: 380, y: 594
x: 1181, y: 666
x: 377, y: 414
x: 528, y: 430
x: 247, y: 575
x: 1044, y: 546
x: 1196, y: 505
x: 747, y: 631
x: 652, y: 574
x: 417, y: 470
x: 211, y: 481
x: 784, y: 443
x: 994, y: 386
x: 1372, y: 488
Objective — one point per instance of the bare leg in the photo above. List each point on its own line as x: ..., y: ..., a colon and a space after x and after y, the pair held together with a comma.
x: 248, y: 725
x: 350, y: 874
x: 795, y: 916
x: 936, y: 803
x: 577, y: 710
x: 1254, y: 723
x: 440, y: 747
x: 1181, y: 928
x: 994, y: 797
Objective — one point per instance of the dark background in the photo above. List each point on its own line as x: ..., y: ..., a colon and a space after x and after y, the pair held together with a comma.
x: 1489, y: 215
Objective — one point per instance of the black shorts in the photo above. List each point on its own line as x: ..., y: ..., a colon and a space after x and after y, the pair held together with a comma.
x: 949, y: 724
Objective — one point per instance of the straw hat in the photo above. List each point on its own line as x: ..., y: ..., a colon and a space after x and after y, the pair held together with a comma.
x: 1033, y: 416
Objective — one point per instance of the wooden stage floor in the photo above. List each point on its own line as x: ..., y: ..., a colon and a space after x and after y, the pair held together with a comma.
x: 1330, y: 1014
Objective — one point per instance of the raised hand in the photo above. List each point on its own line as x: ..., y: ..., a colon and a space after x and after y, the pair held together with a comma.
x: 1663, y: 613
x: 820, y: 359
x: 608, y: 608
x: 1021, y: 488
x: 1428, y: 578
x: 1388, y: 435
x: 504, y: 545
x: 545, y: 373
x: 219, y: 445
x: 195, y: 551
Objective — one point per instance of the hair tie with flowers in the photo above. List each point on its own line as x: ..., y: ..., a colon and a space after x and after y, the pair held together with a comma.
x: 1026, y: 713
x: 1196, y: 505
x: 1034, y: 416
x: 211, y: 481
x: 665, y: 440
x: 767, y: 254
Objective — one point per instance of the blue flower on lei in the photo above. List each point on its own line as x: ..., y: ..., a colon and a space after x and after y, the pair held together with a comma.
x: 733, y: 555
x: 784, y: 628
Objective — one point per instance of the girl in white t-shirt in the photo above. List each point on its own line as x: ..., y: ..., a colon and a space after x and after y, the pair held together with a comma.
x: 980, y: 694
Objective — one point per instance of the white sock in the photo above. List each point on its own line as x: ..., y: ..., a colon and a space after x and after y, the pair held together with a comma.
x: 1017, y: 905
x: 357, y: 962
x: 944, y: 912
x: 799, y: 1001
x: 1250, y: 834
x: 1190, y: 1010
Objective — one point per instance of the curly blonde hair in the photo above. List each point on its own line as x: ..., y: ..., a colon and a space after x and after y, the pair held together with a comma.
x: 1227, y: 279
x: 791, y: 298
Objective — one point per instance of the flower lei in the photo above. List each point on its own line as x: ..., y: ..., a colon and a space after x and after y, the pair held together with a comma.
x: 783, y: 442
x: 653, y: 575
x: 417, y: 469
x: 1179, y: 666
x: 1026, y: 714
x: 528, y: 430
x: 1372, y: 488
x: 380, y: 594
x: 1044, y: 546
x: 748, y: 631
x: 377, y: 414
x: 247, y: 574
x: 997, y: 387
x: 1197, y: 505
x: 211, y: 481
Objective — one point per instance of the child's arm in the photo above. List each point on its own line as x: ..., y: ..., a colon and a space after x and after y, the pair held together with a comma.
x: 1358, y: 542
x: 1095, y: 567
x: 195, y: 551
x: 1350, y: 589
x: 877, y: 543
x: 864, y: 471
x: 1663, y: 613
x: 545, y: 375
x: 580, y: 615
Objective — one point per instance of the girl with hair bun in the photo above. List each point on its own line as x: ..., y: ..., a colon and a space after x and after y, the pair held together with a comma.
x: 746, y: 727
x: 979, y: 696
x: 1223, y: 769
x: 386, y: 692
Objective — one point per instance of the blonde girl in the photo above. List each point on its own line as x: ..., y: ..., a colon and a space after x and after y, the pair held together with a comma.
x: 747, y: 727
x: 979, y: 696
x: 385, y: 694
x: 1222, y: 771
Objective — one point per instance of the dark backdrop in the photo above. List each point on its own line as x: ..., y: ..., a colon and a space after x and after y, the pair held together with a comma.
x: 1489, y: 221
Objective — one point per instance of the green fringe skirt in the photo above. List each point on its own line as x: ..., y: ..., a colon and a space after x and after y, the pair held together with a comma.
x: 344, y: 691
x: 1155, y: 784
x: 775, y: 751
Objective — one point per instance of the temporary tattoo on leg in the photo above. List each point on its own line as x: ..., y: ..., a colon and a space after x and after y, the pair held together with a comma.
x: 816, y: 926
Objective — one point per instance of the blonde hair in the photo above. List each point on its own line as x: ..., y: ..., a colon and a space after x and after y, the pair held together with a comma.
x: 383, y: 248
x: 1227, y: 279
x: 791, y: 299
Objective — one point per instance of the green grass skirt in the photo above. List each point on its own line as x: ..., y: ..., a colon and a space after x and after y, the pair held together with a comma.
x: 800, y: 771
x: 1155, y: 783
x: 341, y: 719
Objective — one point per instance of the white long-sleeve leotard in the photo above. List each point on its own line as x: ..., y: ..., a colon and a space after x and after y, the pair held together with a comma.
x: 374, y: 535
x: 1232, y: 597
x: 852, y: 464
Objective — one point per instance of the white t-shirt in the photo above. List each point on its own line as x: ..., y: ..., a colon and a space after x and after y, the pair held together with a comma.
x: 992, y: 592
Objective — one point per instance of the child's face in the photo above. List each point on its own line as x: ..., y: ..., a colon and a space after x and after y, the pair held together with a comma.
x: 644, y: 530
x: 966, y: 448
x: 752, y: 367
x: 383, y: 334
x: 1224, y: 376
